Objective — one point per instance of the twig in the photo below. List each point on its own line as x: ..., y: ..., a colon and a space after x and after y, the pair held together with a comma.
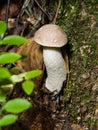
x: 35, y: 26
x: 42, y: 10
x: 57, y: 11
x: 7, y: 10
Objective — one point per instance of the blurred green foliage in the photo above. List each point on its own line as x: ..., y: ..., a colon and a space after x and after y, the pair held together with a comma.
x: 10, y: 108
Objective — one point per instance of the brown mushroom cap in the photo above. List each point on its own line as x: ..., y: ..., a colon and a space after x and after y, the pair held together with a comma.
x: 50, y: 35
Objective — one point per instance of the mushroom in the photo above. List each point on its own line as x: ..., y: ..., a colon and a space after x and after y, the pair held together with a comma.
x: 52, y: 37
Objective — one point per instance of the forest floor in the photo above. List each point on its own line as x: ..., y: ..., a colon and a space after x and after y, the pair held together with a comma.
x: 81, y: 93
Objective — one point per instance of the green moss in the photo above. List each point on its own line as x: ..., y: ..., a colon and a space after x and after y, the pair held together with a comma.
x: 79, y: 21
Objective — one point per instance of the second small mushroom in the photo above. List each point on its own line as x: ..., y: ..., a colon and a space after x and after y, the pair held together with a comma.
x: 52, y: 37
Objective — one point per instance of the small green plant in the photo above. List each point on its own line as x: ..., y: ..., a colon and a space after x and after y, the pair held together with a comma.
x: 9, y: 109
x: 92, y: 123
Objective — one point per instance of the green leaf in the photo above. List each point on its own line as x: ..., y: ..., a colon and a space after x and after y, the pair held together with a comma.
x: 16, y: 78
x: 3, y: 27
x: 8, y: 119
x: 16, y: 105
x: 14, y: 40
x: 6, y: 81
x: 0, y: 42
x: 4, y: 73
x: 9, y: 57
x: 7, y: 87
x: 28, y: 87
x: 32, y: 74
x: 2, y: 95
x: 15, y: 70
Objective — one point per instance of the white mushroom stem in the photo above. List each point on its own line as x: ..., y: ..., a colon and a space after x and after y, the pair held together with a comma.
x: 55, y: 67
